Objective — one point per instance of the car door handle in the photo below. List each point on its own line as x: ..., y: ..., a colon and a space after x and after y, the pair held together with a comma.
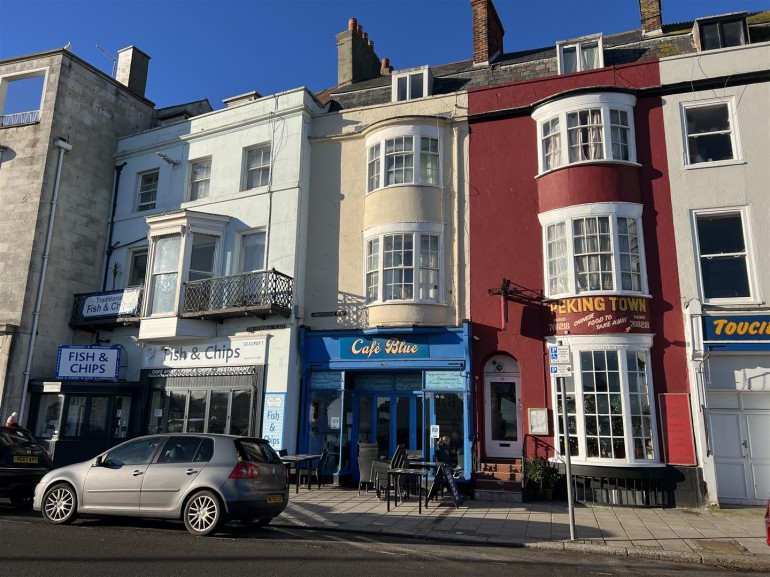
x: 191, y: 471
x: 137, y: 473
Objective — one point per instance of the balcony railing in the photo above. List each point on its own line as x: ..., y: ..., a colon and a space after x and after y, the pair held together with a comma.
x: 104, y: 310
x: 20, y: 118
x: 251, y: 294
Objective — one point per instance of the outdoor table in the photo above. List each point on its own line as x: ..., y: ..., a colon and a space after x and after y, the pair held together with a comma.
x: 410, y: 474
x: 294, y: 461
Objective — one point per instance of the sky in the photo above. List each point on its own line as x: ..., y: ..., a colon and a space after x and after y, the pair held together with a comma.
x: 218, y: 49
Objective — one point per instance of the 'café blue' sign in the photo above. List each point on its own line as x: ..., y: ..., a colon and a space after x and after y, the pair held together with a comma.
x: 362, y: 348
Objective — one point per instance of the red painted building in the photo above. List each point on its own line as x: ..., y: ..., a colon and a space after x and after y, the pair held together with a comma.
x: 572, y: 246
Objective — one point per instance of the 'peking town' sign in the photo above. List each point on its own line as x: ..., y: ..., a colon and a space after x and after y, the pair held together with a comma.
x: 598, y: 315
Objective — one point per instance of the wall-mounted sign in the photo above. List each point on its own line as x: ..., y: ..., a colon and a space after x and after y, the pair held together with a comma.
x: 329, y: 314
x: 88, y: 363
x: 561, y: 370
x: 326, y: 380
x: 362, y: 348
x: 736, y: 328
x: 444, y: 381
x: 232, y: 352
x: 111, y: 304
x: 272, y: 419
x: 599, y: 315
x: 538, y: 421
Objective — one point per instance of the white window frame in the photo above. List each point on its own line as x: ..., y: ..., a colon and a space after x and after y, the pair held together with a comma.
x: 748, y: 252
x: 376, y: 156
x: 140, y: 206
x: 553, y: 128
x: 580, y: 44
x: 261, y: 169
x: 193, y: 182
x: 735, y: 139
x: 621, y: 345
x: 411, y: 79
x: 239, y: 257
x: 568, y: 215
x: 374, y: 264
x: 185, y: 226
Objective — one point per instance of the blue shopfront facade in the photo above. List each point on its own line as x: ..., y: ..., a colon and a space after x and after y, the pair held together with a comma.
x: 388, y: 387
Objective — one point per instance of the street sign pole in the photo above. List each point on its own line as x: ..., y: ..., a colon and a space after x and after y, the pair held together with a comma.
x: 567, y: 458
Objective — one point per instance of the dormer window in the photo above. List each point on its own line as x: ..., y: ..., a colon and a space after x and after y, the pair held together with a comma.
x: 722, y: 32
x: 411, y: 84
x: 581, y: 54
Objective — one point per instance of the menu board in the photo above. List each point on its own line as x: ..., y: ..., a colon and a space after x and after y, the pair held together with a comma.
x: 445, y: 476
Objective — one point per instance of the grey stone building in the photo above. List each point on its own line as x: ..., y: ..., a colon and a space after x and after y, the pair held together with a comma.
x: 61, y: 118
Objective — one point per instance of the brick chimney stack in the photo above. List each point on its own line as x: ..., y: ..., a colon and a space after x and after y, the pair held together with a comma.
x: 356, y: 59
x: 652, y: 20
x: 487, y: 32
x: 132, y: 69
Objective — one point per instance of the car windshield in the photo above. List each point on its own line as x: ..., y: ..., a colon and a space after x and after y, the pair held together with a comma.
x: 256, y: 451
x: 17, y: 437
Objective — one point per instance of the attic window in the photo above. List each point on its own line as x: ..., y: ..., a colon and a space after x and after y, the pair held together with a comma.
x: 723, y: 33
x: 412, y: 84
x: 581, y: 54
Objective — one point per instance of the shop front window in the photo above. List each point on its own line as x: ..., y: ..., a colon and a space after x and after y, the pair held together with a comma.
x: 449, y: 409
x: 48, y: 415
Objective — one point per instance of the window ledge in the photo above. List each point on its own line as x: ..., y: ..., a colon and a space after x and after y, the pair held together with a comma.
x: 714, y: 164
x: 597, y: 293
x: 585, y: 162
x: 406, y: 302
x: 614, y: 463
x: 736, y: 302
x: 403, y: 185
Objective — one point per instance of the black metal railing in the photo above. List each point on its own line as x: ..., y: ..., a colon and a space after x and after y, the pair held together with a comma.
x: 256, y: 293
x: 642, y: 492
x: 107, y: 309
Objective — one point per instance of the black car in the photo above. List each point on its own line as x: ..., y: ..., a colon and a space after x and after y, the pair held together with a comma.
x: 23, y: 462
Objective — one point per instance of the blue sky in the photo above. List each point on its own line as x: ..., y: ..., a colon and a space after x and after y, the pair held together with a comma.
x: 222, y: 48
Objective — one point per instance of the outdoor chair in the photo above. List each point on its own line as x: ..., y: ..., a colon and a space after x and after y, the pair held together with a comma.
x: 317, y: 472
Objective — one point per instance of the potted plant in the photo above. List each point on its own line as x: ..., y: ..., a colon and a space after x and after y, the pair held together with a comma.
x: 543, y: 474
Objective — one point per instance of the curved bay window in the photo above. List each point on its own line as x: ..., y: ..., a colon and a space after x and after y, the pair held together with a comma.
x: 586, y: 128
x: 610, y: 411
x: 403, y: 155
x: 595, y: 247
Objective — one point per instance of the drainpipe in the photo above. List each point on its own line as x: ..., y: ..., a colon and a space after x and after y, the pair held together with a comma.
x: 63, y: 147
x: 456, y: 222
x: 110, y: 247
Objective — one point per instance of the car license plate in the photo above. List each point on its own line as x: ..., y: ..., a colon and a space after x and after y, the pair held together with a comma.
x: 275, y: 498
x: 24, y: 459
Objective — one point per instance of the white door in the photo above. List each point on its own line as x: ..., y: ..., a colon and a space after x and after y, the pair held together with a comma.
x: 502, y: 407
x: 741, y: 445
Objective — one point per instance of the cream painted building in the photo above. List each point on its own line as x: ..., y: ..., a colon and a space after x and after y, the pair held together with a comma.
x: 718, y: 149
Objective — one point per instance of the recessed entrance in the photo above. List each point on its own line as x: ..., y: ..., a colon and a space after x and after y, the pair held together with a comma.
x: 502, y: 406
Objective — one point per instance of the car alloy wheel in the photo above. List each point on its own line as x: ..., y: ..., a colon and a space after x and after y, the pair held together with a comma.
x: 202, y: 513
x: 60, y: 504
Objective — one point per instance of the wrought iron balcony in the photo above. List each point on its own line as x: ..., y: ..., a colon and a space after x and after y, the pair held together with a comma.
x: 258, y: 294
x: 106, y: 310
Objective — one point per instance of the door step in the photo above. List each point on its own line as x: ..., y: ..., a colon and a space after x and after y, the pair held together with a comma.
x: 499, y: 480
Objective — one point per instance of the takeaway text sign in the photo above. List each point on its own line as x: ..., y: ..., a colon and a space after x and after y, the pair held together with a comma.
x: 598, y: 315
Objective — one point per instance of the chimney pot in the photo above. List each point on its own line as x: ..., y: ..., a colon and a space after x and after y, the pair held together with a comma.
x: 371, y: 44
x: 352, y: 24
x: 360, y: 30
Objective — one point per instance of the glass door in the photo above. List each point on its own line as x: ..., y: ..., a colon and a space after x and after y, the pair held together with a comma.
x: 397, y: 419
x: 502, y: 423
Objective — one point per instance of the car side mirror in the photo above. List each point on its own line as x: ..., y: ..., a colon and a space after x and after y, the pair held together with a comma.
x: 99, y: 461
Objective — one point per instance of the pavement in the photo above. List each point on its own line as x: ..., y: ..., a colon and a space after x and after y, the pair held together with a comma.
x: 730, y: 538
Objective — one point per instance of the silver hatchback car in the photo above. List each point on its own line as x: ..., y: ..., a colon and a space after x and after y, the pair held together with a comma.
x: 203, y: 479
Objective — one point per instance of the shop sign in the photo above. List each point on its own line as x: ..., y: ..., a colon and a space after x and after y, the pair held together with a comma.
x: 111, y: 304
x: 736, y: 328
x: 272, y: 421
x: 444, y: 381
x: 363, y: 348
x: 331, y: 380
x: 598, y: 315
x: 218, y: 353
x: 88, y: 363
